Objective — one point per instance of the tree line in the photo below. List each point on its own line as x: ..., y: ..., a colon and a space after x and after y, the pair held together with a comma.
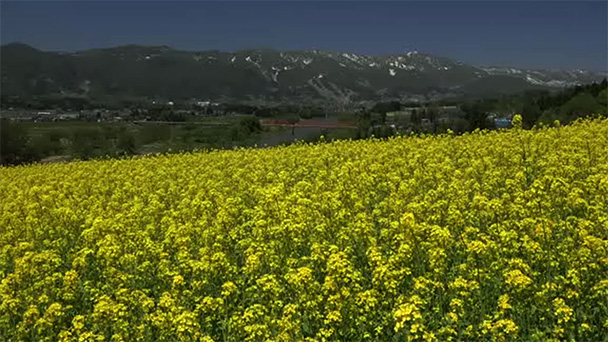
x: 24, y: 142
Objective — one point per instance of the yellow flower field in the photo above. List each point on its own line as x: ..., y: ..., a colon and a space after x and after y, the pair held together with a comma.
x: 489, y: 236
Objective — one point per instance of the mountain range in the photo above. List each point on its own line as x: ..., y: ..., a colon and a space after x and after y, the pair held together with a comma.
x: 166, y: 73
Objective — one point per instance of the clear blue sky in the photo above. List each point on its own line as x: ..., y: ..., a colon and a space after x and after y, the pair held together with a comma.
x: 534, y: 34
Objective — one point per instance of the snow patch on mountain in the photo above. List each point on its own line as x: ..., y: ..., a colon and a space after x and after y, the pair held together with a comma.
x: 275, y: 73
x: 351, y: 57
x: 550, y: 83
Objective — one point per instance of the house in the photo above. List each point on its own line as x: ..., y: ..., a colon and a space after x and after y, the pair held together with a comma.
x: 69, y: 116
x: 44, y: 116
x: 203, y: 103
x: 399, y: 113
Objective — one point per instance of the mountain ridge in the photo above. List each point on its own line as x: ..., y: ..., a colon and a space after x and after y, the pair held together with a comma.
x: 310, y: 50
x: 165, y: 72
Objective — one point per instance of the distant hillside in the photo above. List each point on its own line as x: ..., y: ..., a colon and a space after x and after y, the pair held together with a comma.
x: 162, y: 72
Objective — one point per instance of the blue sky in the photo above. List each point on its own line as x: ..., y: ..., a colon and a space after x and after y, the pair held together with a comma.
x: 533, y: 34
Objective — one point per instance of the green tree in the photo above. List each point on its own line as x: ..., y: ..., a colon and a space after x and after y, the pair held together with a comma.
x: 15, y: 144
x: 125, y: 143
x: 364, y: 122
x: 433, y: 115
x: 415, y: 118
x: 245, y: 128
x: 476, y: 116
x: 530, y: 113
x: 89, y: 143
x: 251, y: 123
x: 580, y: 105
x: 602, y: 99
x: 385, y: 107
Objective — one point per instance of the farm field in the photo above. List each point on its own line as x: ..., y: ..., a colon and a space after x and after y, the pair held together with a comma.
x: 487, y: 236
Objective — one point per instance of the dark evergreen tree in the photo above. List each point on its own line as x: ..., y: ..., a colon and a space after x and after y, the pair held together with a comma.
x: 530, y: 114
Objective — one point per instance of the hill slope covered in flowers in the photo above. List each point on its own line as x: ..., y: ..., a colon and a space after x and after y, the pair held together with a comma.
x: 493, y: 236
